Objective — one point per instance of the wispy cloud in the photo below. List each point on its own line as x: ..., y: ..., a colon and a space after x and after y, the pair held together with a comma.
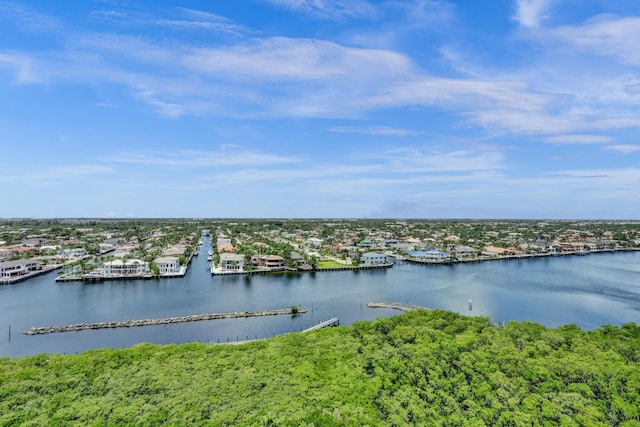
x: 329, y: 9
x: 373, y: 130
x: 226, y: 156
x: 624, y: 148
x: 530, y: 13
x: 47, y: 176
x: 302, y: 77
x: 29, y: 19
x: 179, y: 18
x: 578, y: 139
x: 609, y: 35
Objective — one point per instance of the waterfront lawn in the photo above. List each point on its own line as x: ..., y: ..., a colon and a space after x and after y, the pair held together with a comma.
x: 431, y: 368
x: 329, y: 263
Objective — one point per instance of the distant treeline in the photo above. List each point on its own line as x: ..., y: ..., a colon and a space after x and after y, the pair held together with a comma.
x: 427, y: 368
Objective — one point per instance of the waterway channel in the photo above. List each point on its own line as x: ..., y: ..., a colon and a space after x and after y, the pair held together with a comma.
x: 588, y: 291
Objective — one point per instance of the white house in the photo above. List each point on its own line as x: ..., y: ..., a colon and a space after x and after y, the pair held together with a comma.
x: 314, y: 241
x: 168, y: 264
x: 75, y: 252
x: 231, y: 261
x: 132, y: 267
x: 18, y: 267
x: 374, y: 258
x: 430, y: 255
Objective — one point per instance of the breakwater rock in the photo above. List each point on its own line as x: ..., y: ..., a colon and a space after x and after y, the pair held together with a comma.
x: 163, y: 321
x: 394, y: 305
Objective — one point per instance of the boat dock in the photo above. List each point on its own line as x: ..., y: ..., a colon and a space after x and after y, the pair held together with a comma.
x: 335, y: 321
x: 31, y: 274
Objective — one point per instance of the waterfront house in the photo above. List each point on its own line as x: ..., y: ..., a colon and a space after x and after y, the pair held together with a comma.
x: 131, y: 267
x: 373, y: 258
x: 390, y: 242
x: 465, y: 251
x: 231, y: 261
x: 18, y: 267
x: 74, y: 252
x: 168, y: 264
x: 430, y: 255
x: 366, y: 244
x: 268, y: 261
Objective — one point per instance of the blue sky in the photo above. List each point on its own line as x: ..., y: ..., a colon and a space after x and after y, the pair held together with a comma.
x: 320, y: 108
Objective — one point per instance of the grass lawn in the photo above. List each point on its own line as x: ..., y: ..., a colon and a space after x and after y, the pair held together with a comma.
x: 331, y: 264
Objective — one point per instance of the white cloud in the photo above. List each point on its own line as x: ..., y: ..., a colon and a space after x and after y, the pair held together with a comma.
x: 530, y: 13
x: 608, y: 35
x: 165, y: 109
x: 29, y: 19
x: 281, y: 58
x: 226, y: 156
x: 373, y: 130
x: 624, y: 148
x: 47, y: 176
x: 578, y: 139
x: 329, y: 9
x: 301, y: 77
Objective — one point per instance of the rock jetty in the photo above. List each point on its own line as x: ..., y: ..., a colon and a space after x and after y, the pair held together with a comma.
x: 394, y: 305
x: 163, y: 321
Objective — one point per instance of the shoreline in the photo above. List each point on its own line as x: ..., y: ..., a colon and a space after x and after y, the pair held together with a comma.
x: 484, y: 258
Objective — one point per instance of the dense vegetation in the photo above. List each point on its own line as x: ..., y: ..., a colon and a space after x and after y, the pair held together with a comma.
x: 421, y: 368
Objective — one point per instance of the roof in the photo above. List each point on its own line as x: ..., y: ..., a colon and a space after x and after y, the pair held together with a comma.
x: 372, y: 254
x: 165, y: 260
x: 230, y: 256
x: 17, y: 263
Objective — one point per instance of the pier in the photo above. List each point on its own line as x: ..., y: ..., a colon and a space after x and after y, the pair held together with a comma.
x: 163, y: 321
x: 335, y: 321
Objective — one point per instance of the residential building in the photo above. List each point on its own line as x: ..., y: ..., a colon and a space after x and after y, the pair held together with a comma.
x: 131, y: 267
x: 168, y: 264
x: 75, y: 252
x: 231, y: 261
x: 18, y: 267
x: 366, y: 243
x: 465, y: 251
x: 268, y: 261
x: 373, y: 258
x: 430, y: 255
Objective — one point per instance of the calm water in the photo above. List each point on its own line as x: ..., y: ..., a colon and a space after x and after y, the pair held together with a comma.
x: 588, y: 291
